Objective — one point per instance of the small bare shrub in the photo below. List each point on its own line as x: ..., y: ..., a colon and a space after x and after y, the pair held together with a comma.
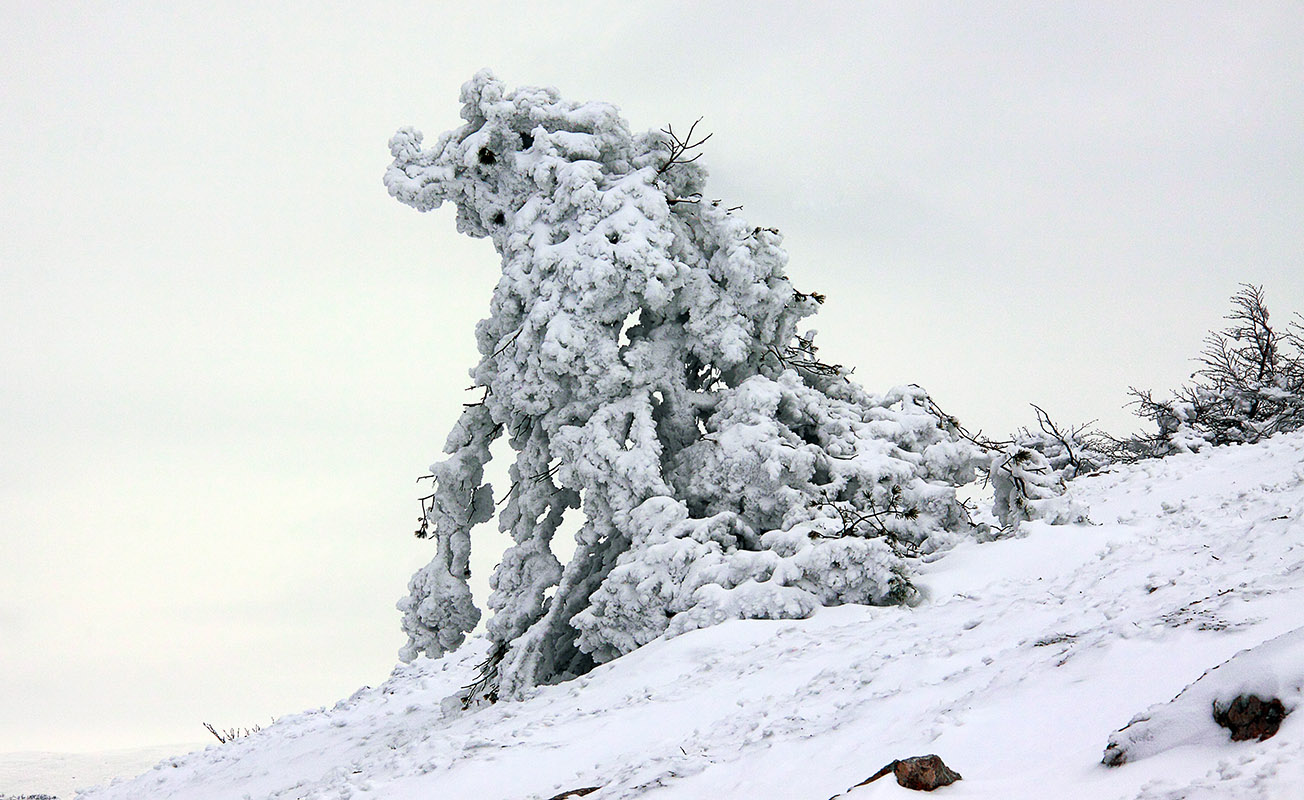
x: 231, y: 734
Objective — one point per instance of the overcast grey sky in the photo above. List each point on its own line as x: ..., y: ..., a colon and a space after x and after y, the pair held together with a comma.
x: 226, y: 353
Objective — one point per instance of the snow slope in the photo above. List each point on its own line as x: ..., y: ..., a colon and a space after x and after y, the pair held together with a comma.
x: 60, y: 774
x: 1026, y: 656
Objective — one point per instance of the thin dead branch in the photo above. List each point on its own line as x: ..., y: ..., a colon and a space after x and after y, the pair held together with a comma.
x: 231, y: 734
x: 678, y: 149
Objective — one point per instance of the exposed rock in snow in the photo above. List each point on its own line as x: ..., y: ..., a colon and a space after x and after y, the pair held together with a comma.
x: 1250, y: 717
x: 581, y: 792
x: 1272, y: 671
x: 921, y: 773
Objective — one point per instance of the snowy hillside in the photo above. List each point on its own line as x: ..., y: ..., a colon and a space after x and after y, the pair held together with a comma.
x: 1025, y: 658
x: 36, y: 773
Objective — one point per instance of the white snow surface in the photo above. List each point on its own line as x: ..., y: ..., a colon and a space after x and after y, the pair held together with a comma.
x: 1023, y: 659
x: 36, y: 773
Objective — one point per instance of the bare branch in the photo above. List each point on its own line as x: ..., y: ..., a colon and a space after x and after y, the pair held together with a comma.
x: 231, y: 734
x: 677, y: 149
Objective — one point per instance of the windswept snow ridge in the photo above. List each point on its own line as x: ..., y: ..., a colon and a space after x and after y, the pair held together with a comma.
x: 1023, y: 658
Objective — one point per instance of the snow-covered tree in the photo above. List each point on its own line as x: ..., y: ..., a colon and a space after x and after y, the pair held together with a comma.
x: 1026, y: 486
x: 1030, y: 472
x: 1250, y: 386
x: 641, y: 355
x: 1070, y: 450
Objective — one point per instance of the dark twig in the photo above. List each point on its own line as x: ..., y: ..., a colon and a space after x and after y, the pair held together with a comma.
x: 486, y: 679
x: 856, y: 521
x: 678, y: 148
x: 508, y: 341
x: 230, y: 734
x: 482, y: 400
x: 693, y: 199
x: 952, y: 424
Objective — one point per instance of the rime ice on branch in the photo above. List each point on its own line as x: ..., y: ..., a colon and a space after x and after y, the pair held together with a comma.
x: 641, y: 355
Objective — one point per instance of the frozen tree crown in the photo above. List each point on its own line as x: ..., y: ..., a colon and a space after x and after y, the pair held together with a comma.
x: 641, y: 355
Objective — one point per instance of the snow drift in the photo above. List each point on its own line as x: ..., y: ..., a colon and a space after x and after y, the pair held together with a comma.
x: 1272, y: 670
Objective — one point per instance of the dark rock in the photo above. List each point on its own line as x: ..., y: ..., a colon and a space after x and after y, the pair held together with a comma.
x: 1250, y: 717
x: 923, y: 773
x: 575, y: 793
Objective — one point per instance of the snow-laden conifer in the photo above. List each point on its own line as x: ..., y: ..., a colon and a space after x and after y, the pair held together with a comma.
x: 642, y: 357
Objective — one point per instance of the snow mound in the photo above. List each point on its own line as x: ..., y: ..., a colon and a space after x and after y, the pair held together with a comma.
x: 1022, y: 658
x: 1272, y: 670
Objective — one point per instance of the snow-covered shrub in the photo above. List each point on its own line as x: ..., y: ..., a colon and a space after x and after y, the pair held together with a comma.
x: 1070, y: 450
x: 1250, y: 386
x: 1030, y: 473
x: 641, y: 356
x: 1026, y: 487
